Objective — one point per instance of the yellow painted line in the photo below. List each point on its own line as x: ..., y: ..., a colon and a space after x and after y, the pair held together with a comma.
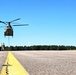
x: 13, y: 67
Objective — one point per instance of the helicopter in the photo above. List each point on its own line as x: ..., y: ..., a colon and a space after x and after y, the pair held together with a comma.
x: 8, y: 28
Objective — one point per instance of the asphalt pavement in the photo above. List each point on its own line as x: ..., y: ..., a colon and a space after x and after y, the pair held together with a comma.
x: 44, y: 62
x: 3, y: 56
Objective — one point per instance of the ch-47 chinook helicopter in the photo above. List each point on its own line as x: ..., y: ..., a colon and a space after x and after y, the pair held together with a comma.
x: 9, y: 30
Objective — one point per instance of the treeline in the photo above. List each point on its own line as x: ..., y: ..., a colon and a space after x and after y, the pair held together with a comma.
x: 41, y: 47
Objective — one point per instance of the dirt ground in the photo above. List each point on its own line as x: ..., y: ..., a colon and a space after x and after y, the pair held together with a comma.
x: 48, y: 62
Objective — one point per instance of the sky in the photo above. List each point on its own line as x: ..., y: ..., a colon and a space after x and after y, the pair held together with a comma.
x: 51, y: 22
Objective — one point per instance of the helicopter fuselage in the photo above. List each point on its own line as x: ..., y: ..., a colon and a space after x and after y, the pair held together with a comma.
x: 8, y: 30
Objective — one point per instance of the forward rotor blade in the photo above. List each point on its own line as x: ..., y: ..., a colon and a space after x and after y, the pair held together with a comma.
x: 2, y: 22
x: 15, y: 20
x: 21, y: 25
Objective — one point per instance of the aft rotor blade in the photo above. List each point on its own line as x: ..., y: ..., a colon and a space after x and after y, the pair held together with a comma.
x: 15, y: 20
x: 21, y: 25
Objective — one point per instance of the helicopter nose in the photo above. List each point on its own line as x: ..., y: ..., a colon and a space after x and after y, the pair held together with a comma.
x: 8, y: 32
